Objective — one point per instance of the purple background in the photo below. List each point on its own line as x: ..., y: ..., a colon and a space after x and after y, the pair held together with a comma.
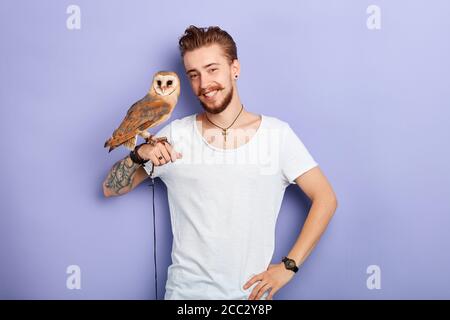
x: 372, y: 106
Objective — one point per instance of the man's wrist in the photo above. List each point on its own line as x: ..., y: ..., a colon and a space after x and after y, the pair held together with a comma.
x: 290, y: 264
x: 136, y: 157
x: 138, y: 154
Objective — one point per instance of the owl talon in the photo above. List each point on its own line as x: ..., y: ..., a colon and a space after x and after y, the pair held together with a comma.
x: 153, y: 141
x: 149, y: 139
x: 162, y: 139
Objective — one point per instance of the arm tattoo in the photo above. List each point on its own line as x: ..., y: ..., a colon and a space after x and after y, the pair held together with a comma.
x: 121, y: 175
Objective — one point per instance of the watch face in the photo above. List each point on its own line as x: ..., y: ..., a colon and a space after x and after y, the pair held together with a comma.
x: 289, y: 263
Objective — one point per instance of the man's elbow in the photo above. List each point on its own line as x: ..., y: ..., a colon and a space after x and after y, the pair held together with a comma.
x: 333, y: 203
x: 106, y: 191
x: 328, y: 199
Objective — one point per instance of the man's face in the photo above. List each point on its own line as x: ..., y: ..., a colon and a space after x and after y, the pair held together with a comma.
x: 211, y: 77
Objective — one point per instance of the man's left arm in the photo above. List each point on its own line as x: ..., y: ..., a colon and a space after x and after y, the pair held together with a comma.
x: 323, y: 205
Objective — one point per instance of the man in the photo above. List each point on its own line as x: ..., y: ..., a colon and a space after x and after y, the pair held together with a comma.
x: 226, y: 171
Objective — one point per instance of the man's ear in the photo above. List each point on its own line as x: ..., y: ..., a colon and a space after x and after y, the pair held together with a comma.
x: 235, y: 67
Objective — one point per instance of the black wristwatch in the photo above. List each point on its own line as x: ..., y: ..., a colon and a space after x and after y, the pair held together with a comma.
x: 135, y: 156
x: 290, y: 264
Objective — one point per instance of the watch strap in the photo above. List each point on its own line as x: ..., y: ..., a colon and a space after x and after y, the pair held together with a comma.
x: 134, y: 155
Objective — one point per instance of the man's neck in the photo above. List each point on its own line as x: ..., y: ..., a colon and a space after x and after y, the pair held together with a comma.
x: 227, y: 116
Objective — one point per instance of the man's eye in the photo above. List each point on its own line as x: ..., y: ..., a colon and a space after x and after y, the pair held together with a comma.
x: 193, y: 76
x: 213, y: 69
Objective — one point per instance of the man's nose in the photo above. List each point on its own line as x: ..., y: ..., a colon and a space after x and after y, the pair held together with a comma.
x: 205, y: 83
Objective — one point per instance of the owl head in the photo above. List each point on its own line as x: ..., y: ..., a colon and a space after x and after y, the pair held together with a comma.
x: 165, y: 83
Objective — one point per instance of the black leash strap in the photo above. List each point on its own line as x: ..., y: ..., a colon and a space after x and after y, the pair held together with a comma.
x: 154, y: 231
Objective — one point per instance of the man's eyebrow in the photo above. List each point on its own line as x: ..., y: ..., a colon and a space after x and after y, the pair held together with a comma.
x: 208, y: 65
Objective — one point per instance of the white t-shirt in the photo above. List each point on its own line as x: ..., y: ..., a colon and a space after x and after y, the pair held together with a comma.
x: 224, y: 205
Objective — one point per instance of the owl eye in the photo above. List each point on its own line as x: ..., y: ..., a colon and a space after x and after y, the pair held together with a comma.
x: 158, y: 82
x: 169, y: 82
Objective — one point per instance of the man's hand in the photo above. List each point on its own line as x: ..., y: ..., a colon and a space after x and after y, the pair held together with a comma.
x: 274, y: 278
x: 161, y: 150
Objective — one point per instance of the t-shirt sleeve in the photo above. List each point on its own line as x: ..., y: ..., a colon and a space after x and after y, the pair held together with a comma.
x: 295, y: 158
x: 159, y: 170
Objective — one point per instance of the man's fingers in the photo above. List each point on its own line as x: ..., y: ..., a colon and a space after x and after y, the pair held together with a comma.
x: 262, y: 290
x: 174, y: 155
x: 271, y: 293
x: 164, y: 153
x: 154, y: 160
x: 257, y: 290
x: 170, y: 151
x: 253, y: 280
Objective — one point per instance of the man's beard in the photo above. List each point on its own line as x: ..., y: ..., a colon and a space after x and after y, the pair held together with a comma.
x: 225, y: 102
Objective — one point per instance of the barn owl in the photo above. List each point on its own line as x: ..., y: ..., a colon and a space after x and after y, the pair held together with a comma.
x: 155, y: 107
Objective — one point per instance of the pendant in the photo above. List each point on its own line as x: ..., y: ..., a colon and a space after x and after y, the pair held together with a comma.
x: 224, y: 133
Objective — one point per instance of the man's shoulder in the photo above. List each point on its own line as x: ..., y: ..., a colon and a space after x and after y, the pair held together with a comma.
x: 184, y: 121
x: 181, y: 123
x: 275, y: 122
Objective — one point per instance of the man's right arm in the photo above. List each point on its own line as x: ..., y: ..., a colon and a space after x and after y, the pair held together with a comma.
x: 124, y: 176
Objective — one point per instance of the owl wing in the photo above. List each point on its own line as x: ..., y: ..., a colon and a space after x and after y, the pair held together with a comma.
x: 142, y: 115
